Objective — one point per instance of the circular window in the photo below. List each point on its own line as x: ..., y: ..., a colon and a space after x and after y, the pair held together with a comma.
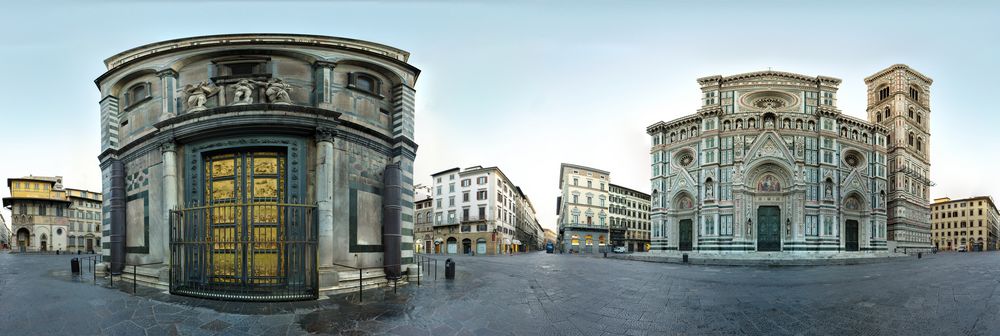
x: 685, y: 158
x: 853, y: 159
x: 59, y: 231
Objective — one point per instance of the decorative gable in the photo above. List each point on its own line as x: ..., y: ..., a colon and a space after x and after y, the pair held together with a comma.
x: 769, y: 145
x: 855, y: 181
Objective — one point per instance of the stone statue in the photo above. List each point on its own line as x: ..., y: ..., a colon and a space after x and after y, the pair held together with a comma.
x: 198, y: 94
x: 788, y: 227
x: 738, y: 174
x: 709, y: 190
x: 277, y: 91
x: 749, y: 227
x: 828, y: 193
x: 243, y: 92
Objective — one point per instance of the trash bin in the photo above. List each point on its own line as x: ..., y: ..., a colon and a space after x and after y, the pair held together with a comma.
x: 74, y: 265
x: 449, y: 269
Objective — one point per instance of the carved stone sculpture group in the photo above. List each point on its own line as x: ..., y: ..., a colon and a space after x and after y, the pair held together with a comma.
x: 275, y: 90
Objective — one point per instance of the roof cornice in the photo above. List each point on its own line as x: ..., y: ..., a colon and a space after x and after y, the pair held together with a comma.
x: 894, y: 67
x: 717, y: 79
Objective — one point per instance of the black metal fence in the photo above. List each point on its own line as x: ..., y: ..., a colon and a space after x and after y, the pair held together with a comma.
x: 244, y: 252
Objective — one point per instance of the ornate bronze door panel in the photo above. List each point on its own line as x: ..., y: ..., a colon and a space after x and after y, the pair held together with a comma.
x: 685, y: 238
x: 243, y: 191
x: 768, y: 228
x: 851, y: 236
x: 245, y: 241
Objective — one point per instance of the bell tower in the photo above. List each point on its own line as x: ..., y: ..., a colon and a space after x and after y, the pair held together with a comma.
x: 899, y: 100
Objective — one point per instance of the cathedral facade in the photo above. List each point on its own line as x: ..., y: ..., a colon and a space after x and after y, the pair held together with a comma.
x: 769, y: 163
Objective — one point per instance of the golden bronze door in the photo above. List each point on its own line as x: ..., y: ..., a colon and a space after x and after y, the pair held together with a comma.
x: 245, y: 230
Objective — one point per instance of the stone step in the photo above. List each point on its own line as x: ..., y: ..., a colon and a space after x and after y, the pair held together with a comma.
x: 347, y: 280
x: 147, y: 275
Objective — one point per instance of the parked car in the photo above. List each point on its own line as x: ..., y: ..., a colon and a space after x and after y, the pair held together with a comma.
x: 550, y: 248
x: 961, y: 248
x: 620, y: 249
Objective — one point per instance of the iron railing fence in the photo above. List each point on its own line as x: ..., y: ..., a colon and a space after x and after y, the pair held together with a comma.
x: 258, y: 251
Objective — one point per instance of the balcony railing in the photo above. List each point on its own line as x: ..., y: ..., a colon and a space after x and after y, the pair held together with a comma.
x: 443, y: 222
x: 468, y: 219
x: 585, y: 226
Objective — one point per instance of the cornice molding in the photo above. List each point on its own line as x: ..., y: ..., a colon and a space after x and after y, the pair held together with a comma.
x: 718, y: 79
x: 894, y: 67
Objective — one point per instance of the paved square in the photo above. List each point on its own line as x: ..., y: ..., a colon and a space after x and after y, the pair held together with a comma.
x: 544, y: 294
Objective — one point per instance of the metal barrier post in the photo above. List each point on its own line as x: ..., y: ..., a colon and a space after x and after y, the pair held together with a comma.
x: 435, y: 269
x: 361, y: 291
x: 133, y: 279
x: 395, y: 283
x: 418, y: 273
x: 93, y: 269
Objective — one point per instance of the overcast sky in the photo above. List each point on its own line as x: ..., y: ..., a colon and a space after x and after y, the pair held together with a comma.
x: 526, y: 85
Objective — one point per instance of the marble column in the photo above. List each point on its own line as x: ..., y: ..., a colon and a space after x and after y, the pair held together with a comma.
x: 324, y: 194
x: 169, y: 151
x: 323, y: 77
x: 168, y: 87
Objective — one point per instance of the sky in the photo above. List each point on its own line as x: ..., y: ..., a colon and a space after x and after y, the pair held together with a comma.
x: 527, y: 85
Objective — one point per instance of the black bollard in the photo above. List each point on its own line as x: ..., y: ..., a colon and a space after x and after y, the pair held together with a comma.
x: 449, y: 269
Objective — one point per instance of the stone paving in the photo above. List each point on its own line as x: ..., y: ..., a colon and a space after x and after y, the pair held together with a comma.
x: 543, y: 294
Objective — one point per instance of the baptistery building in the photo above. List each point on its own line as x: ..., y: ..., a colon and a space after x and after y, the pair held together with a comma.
x: 770, y: 163
x: 257, y: 166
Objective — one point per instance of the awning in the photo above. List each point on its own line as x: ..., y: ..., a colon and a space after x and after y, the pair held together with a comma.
x: 438, y: 241
x: 517, y: 242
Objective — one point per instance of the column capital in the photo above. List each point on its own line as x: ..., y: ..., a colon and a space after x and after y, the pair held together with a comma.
x: 166, y: 73
x: 324, y: 64
x: 325, y: 134
x: 168, y: 146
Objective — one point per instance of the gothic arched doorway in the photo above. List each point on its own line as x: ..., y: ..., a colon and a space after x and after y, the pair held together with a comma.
x: 23, y: 239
